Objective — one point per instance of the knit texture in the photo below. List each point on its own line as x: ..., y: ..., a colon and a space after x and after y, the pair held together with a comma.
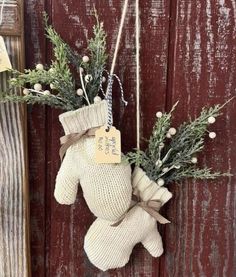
x: 106, y: 188
x: 110, y: 247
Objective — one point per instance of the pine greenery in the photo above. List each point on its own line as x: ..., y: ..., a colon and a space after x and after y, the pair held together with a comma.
x: 171, y: 159
x: 58, y: 76
x: 97, y: 50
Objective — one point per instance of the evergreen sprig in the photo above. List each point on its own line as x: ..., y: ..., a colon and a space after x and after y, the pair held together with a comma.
x: 173, y: 157
x: 58, y: 76
x: 195, y: 173
x: 34, y: 99
x: 97, y: 50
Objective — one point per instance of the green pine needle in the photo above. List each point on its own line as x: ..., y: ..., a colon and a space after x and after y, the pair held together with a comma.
x: 58, y: 75
x: 171, y: 159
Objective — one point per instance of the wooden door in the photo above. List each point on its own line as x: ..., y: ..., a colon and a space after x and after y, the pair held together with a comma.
x: 188, y: 53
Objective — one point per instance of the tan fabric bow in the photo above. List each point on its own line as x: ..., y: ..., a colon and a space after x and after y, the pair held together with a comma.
x: 152, y: 207
x: 68, y: 140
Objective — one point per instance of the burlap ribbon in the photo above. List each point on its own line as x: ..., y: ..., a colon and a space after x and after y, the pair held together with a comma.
x: 152, y: 207
x: 68, y: 140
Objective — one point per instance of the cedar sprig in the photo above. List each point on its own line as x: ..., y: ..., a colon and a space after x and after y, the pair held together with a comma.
x: 171, y: 154
x: 34, y: 99
x: 98, y: 58
x: 158, y: 137
x: 58, y: 76
x: 196, y: 173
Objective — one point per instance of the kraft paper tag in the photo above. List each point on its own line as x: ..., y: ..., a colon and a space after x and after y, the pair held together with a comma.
x: 5, y: 63
x: 108, y: 145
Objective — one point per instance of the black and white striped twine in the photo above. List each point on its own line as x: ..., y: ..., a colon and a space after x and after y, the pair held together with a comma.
x: 108, y: 96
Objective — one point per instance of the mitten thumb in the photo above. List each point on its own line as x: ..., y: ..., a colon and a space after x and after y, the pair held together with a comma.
x: 67, y: 181
x: 153, y: 243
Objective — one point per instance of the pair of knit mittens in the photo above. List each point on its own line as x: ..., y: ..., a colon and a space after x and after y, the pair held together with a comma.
x: 107, y: 189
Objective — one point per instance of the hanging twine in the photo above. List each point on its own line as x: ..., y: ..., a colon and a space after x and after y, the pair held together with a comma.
x: 109, y: 102
x: 125, y: 7
x: 108, y: 96
x: 137, y: 42
x: 111, y: 76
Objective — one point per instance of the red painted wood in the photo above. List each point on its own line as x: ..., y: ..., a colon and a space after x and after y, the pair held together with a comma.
x: 199, y: 242
x: 37, y: 134
x: 187, y: 53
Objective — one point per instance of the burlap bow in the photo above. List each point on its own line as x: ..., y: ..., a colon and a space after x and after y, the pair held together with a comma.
x: 152, y: 207
x: 68, y: 140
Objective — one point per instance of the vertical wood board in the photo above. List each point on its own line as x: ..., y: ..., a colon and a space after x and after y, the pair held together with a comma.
x: 187, y: 54
x: 14, y: 240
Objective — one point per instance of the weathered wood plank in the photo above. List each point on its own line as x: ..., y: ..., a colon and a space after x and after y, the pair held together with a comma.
x: 14, y: 244
x: 12, y: 17
x: 37, y: 135
x: 200, y: 240
x: 201, y: 67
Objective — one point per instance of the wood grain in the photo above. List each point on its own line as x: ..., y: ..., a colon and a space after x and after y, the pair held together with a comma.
x: 187, y: 54
x: 35, y: 46
x: 14, y: 235
x: 200, y: 240
x: 12, y: 19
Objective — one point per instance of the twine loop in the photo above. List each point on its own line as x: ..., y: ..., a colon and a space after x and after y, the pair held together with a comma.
x: 108, y: 95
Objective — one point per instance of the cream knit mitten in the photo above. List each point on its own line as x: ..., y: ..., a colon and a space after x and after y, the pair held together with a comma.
x: 110, y: 247
x: 106, y: 188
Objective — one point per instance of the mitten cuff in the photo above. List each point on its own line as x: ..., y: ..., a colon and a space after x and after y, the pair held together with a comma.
x: 163, y: 195
x: 147, y: 189
x: 84, y: 118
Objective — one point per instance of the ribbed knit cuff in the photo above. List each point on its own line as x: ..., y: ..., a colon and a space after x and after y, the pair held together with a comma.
x: 84, y: 118
x: 148, y: 189
x: 163, y: 195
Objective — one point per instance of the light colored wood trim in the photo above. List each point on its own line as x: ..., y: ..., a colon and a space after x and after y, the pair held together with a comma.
x: 13, y: 120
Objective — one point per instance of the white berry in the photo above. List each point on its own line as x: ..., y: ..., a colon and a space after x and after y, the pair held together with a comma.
x: 194, y: 160
x: 160, y: 182
x: 46, y: 92
x: 39, y: 66
x: 165, y: 169
x: 104, y: 79
x: 88, y: 78
x: 168, y: 135
x: 177, y: 166
x: 161, y: 145
x: 85, y: 59
x: 159, y: 114
x: 97, y: 99
x: 172, y: 131
x: 38, y: 87
x: 52, y: 86
x: 81, y: 69
x: 51, y: 70
x: 212, y: 135
x: 159, y: 163
x: 79, y: 92
x: 211, y: 119
x: 26, y: 91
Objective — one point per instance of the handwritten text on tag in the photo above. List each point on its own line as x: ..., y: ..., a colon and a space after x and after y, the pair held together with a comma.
x: 108, y: 145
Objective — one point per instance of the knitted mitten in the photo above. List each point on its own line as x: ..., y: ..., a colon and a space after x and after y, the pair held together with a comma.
x: 110, y: 247
x: 106, y: 188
